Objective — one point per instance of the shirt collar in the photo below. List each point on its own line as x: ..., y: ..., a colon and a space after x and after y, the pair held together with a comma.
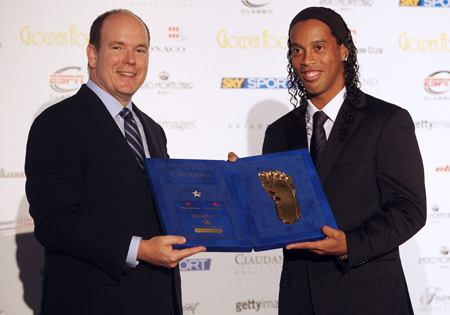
x: 113, y: 106
x: 331, y: 109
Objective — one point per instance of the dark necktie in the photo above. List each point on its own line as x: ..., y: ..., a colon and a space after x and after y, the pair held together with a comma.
x: 133, y: 136
x: 318, y: 139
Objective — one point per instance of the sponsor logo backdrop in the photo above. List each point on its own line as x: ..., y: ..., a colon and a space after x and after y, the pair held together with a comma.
x: 217, y: 78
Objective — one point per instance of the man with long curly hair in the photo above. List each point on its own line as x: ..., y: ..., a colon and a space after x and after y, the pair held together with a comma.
x: 367, y: 157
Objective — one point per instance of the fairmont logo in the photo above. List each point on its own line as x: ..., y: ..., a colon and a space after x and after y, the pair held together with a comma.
x: 435, y: 296
x: 22, y: 224
x: 190, y: 308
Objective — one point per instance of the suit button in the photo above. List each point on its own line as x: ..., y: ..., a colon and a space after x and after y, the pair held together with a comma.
x: 101, y: 266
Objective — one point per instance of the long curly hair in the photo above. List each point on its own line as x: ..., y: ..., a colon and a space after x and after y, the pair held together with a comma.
x: 297, y: 91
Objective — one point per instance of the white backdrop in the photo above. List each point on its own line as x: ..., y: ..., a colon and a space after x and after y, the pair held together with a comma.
x: 196, y: 44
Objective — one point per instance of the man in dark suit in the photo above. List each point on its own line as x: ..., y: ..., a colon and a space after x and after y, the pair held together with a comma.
x: 371, y: 171
x: 92, y: 206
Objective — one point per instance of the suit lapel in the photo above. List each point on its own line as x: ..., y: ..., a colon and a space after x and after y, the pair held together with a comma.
x: 107, y: 127
x: 296, y: 133
x: 152, y: 135
x: 335, y: 146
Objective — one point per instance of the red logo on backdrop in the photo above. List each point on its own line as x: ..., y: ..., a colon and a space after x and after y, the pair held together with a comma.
x: 174, y: 32
x: 189, y: 204
x: 438, y: 82
x: 66, y: 79
x: 443, y: 168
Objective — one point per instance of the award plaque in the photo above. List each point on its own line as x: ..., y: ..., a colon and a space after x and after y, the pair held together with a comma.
x: 260, y: 202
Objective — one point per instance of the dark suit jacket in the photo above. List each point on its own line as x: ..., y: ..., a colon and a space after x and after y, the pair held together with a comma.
x: 374, y: 183
x: 88, y: 197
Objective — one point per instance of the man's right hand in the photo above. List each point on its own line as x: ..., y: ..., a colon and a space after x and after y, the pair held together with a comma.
x: 159, y: 251
x: 232, y: 157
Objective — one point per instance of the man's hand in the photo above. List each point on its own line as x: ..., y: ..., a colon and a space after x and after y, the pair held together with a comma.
x: 334, y: 244
x: 158, y: 250
x: 232, y: 157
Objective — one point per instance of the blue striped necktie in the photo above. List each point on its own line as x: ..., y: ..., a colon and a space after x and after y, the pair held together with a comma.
x: 133, y: 136
x: 318, y: 139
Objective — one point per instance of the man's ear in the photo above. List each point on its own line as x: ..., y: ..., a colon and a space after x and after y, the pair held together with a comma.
x: 344, y: 52
x: 91, y: 56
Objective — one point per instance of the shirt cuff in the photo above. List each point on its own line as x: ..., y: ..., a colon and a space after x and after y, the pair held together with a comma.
x: 131, y: 260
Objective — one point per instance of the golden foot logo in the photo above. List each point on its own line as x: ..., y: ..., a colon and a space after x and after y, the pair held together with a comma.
x: 280, y: 188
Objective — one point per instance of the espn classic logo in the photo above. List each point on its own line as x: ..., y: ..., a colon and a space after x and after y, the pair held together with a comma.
x: 254, y: 83
x: 438, y: 82
x: 67, y: 79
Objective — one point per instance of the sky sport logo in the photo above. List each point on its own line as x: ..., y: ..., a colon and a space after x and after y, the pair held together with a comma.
x: 425, y: 3
x: 254, y: 83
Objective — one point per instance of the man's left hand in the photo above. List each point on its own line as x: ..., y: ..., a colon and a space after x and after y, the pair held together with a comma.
x: 335, y: 243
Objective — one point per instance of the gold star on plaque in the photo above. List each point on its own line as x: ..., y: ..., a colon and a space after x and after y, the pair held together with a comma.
x: 197, y: 194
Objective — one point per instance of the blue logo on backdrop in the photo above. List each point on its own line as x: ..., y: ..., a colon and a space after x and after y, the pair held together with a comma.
x: 195, y: 264
x: 425, y: 3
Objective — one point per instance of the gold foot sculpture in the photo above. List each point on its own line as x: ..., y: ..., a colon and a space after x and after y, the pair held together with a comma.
x: 280, y: 188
